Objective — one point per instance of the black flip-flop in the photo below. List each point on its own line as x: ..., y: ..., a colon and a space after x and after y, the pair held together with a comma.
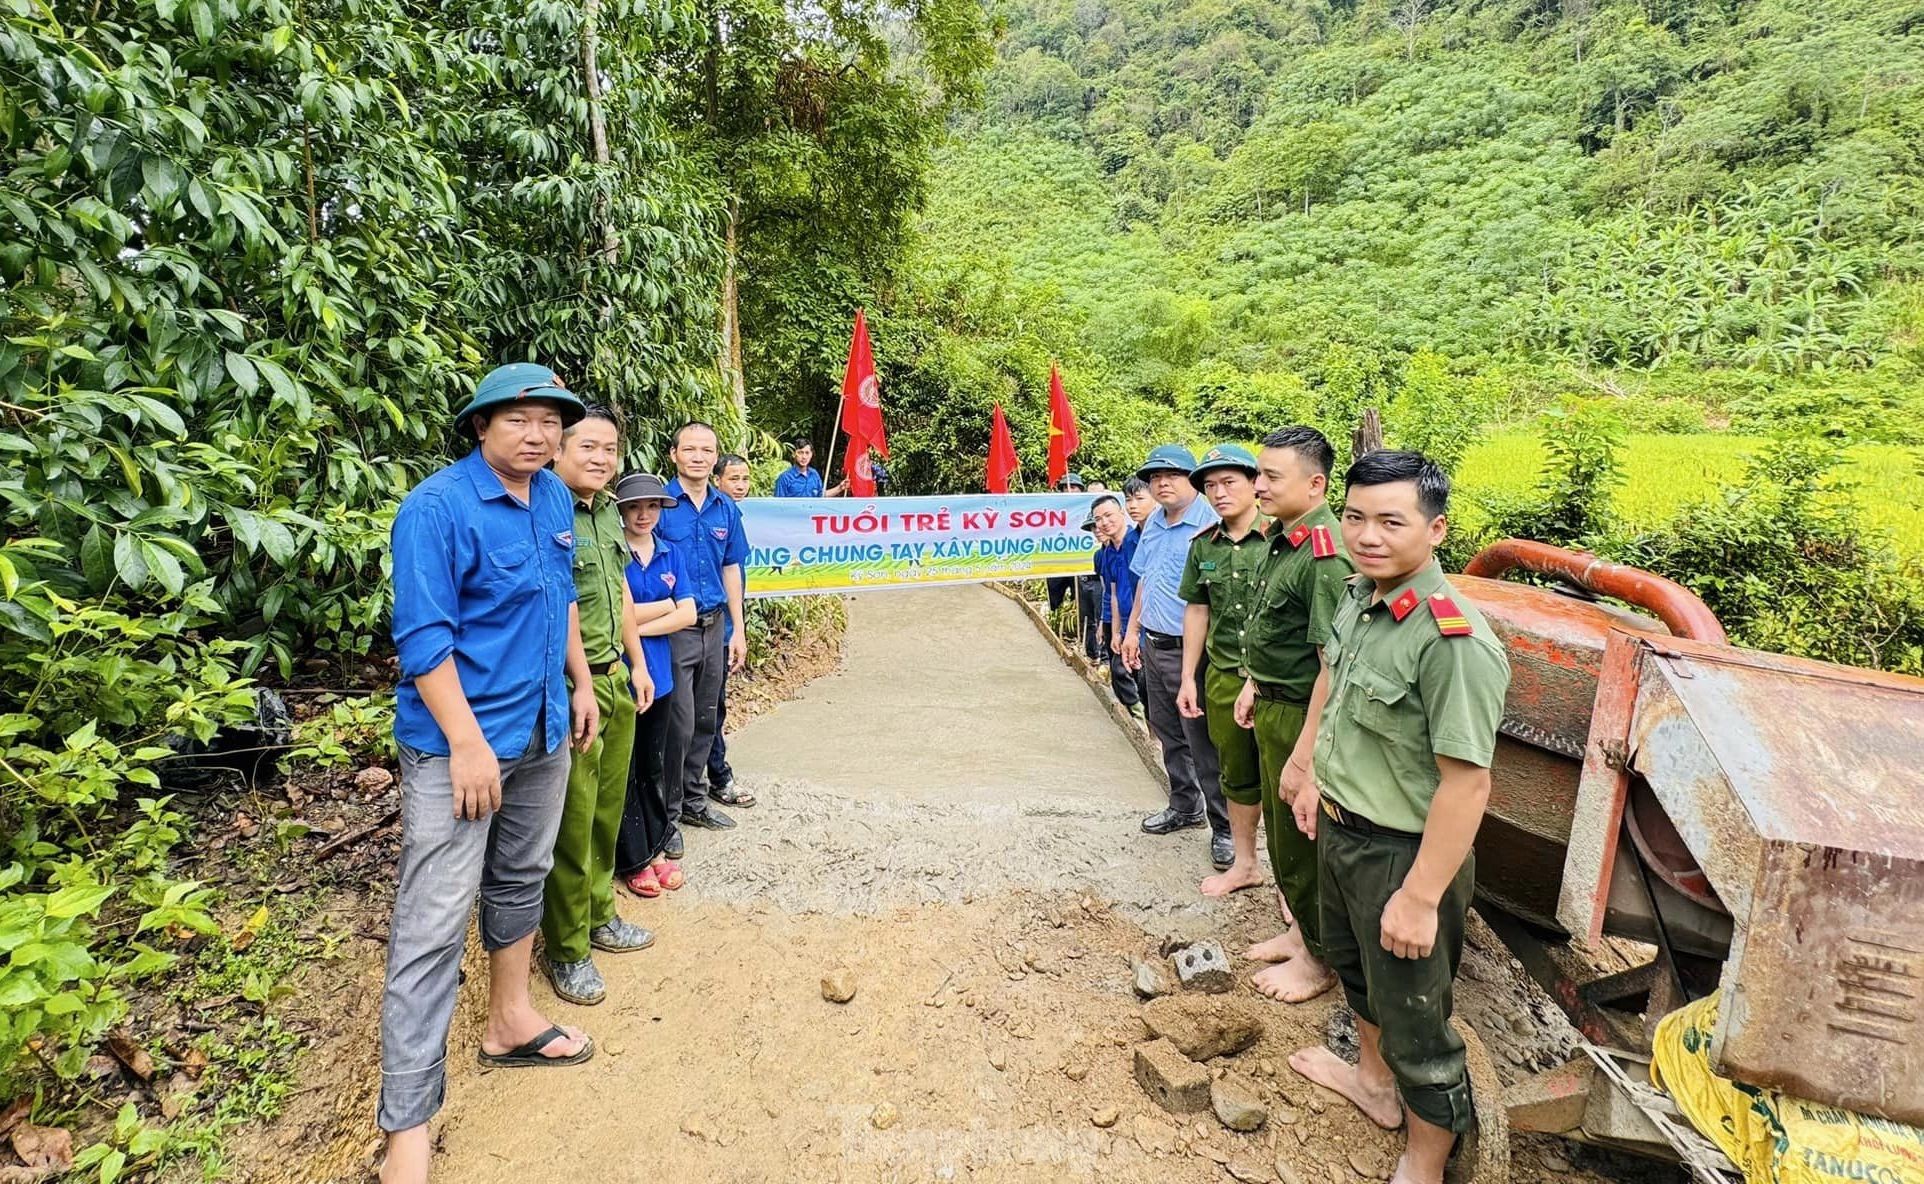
x: 529, y: 1055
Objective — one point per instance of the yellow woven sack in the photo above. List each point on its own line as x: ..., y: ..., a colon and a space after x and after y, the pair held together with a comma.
x: 1773, y: 1138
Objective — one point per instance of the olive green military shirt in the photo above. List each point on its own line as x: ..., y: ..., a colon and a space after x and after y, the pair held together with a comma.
x: 1303, y: 585
x: 1226, y: 575
x: 601, y: 561
x: 1402, y: 692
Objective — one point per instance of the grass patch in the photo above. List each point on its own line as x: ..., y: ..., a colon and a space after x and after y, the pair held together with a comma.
x: 1667, y: 473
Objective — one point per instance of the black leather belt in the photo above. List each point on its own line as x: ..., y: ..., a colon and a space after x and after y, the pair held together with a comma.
x: 1276, y: 694
x: 711, y: 616
x: 614, y: 667
x: 1161, y: 641
x: 1362, y: 825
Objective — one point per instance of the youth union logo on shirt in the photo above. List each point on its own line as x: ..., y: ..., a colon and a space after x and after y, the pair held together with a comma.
x: 668, y: 580
x: 720, y: 533
x: 564, y: 538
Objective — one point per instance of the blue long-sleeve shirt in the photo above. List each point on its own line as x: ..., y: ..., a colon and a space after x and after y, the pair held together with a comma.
x: 1112, y: 564
x: 486, y: 579
x: 709, y: 539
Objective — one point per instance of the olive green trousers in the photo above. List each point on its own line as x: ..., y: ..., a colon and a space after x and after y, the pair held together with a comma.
x: 580, y: 892
x: 1410, y: 999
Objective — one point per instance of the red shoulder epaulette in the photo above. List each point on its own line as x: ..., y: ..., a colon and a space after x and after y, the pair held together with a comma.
x: 1450, y: 621
x: 1297, y: 536
x: 1322, y: 543
x: 1403, y: 605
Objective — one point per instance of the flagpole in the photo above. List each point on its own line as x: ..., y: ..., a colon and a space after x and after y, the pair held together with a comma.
x: 828, y: 466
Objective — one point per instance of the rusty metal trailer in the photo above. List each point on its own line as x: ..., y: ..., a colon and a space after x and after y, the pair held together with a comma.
x: 1754, y: 820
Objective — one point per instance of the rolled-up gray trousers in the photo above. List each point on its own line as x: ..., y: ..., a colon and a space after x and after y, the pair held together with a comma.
x: 445, y: 862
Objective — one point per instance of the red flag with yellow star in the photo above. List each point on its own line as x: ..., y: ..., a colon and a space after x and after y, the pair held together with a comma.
x: 1063, y: 437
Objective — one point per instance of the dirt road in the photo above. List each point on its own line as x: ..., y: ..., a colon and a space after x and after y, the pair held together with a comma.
x: 952, y: 819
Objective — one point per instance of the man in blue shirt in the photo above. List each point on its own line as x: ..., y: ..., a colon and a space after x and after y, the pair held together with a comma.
x: 1152, y: 644
x: 485, y: 626
x: 705, y: 525
x: 799, y: 480
x: 1116, y: 546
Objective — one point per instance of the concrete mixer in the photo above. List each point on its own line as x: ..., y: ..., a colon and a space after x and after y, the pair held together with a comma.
x: 1753, y: 821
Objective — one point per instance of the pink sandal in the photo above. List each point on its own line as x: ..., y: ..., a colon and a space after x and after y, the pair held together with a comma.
x: 644, y: 883
x: 668, y: 874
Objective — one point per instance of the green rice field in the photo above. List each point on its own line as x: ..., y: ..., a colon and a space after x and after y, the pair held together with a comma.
x: 1666, y: 473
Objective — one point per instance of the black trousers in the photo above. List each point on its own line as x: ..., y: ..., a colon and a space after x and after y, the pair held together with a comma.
x: 701, y: 663
x: 645, y: 825
x: 1089, y: 611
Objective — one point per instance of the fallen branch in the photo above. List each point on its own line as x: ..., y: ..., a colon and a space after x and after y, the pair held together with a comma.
x: 356, y: 835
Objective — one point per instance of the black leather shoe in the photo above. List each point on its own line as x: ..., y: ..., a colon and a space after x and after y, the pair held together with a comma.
x: 709, y: 819
x: 1166, y: 821
x: 1222, y: 851
x: 674, y: 848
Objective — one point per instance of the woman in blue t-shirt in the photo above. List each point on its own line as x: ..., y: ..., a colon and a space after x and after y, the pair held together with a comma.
x: 664, y: 603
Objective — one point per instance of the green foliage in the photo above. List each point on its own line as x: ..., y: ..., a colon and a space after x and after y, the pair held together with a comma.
x: 1786, y: 562
x: 1571, y: 503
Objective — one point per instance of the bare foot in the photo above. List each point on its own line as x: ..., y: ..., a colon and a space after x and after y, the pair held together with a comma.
x: 1406, y: 1174
x: 1281, y: 948
x: 512, y: 1031
x: 406, y: 1158
x: 1238, y: 877
x: 1295, y: 981
x: 1379, y: 1104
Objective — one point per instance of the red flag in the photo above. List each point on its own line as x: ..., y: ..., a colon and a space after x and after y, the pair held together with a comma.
x: 861, y: 475
x: 1063, y: 437
x: 861, y: 396
x: 1002, y: 460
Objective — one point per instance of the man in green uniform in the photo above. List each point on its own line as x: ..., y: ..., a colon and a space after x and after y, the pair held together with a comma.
x: 578, y: 901
x: 1303, y: 584
x: 1221, y: 583
x: 1391, y: 777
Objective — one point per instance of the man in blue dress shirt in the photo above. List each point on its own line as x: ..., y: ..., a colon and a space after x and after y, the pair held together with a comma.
x: 706, y: 526
x: 485, y: 626
x: 1152, y: 644
x: 798, y: 480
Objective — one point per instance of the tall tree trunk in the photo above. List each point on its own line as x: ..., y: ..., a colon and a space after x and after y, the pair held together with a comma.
x: 597, y: 130
x: 731, y: 326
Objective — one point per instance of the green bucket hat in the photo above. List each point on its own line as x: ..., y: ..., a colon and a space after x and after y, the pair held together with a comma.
x: 514, y: 382
x: 1223, y: 456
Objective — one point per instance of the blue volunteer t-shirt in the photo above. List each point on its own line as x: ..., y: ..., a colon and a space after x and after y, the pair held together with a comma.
x: 709, y: 539
x: 664, y: 578
x: 486, y: 579
x: 796, y: 482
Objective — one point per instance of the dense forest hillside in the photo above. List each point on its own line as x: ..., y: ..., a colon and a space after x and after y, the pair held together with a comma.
x: 1219, y: 212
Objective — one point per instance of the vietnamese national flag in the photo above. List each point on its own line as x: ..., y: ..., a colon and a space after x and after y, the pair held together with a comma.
x: 1063, y: 437
x: 1002, y: 459
x: 862, y: 397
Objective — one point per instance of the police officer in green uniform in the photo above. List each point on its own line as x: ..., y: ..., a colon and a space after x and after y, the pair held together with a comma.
x: 1303, y: 584
x: 578, y: 901
x: 1221, y: 584
x: 1391, y: 776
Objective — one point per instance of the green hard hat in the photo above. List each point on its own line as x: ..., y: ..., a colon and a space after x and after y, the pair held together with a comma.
x: 1222, y: 456
x: 517, y: 381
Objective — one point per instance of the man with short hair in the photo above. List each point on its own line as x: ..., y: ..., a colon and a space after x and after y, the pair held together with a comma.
x: 1303, y: 585
x: 578, y: 902
x: 485, y: 629
x: 1219, y: 588
x: 1137, y: 503
x: 732, y: 478
x: 1116, y: 546
x: 1059, y: 586
x: 1152, y: 644
x: 1391, y: 776
x: 706, y: 526
x: 798, y: 480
